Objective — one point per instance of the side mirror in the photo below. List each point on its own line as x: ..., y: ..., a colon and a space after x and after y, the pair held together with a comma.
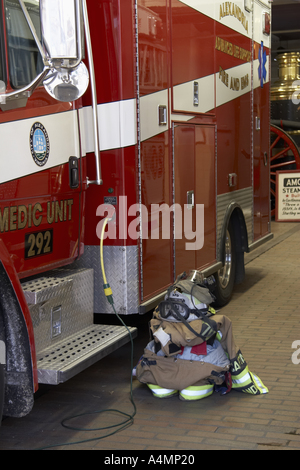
x: 62, y: 32
x: 65, y: 77
x: 63, y: 41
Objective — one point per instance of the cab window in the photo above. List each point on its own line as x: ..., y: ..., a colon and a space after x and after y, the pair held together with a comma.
x: 1, y: 71
x: 24, y: 59
x: 2, y: 60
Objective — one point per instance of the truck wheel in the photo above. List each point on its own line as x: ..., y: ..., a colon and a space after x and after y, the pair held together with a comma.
x: 2, y: 367
x: 1, y: 391
x: 225, y: 277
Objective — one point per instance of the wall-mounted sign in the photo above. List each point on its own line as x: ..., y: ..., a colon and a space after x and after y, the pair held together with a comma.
x: 288, y: 196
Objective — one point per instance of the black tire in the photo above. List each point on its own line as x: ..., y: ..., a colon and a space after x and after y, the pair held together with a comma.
x: 225, y: 278
x: 2, y: 369
x: 1, y: 391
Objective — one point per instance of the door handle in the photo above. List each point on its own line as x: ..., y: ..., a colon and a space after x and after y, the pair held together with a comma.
x: 73, y: 172
x: 190, y: 200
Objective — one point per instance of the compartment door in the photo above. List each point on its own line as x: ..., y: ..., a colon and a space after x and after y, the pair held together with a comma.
x: 195, y: 193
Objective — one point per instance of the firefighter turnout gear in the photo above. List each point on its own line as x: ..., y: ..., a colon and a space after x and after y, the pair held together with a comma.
x: 243, y: 380
x: 194, y: 357
x: 197, y: 392
x: 161, y: 392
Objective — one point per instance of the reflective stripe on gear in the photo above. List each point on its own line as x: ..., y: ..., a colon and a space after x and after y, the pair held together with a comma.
x: 160, y: 392
x: 219, y: 336
x: 248, y: 382
x: 261, y: 387
x: 241, y: 379
x: 196, y: 393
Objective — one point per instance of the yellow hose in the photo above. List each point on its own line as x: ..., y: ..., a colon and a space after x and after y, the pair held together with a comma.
x: 101, y: 251
x: 106, y: 286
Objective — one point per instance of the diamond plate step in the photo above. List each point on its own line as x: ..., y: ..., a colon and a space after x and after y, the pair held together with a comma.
x: 67, y: 358
x: 45, y: 288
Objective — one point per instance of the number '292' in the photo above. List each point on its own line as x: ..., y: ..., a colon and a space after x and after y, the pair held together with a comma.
x: 38, y: 243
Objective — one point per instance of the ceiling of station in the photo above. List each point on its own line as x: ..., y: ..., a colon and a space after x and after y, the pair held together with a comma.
x: 286, y: 15
x: 286, y: 23
x: 285, y: 2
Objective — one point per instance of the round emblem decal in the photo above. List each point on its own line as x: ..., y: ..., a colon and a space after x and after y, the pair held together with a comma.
x: 39, y: 144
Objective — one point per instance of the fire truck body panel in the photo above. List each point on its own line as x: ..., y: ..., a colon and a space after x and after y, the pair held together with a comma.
x: 261, y: 120
x: 183, y: 121
x: 40, y: 205
x: 220, y: 36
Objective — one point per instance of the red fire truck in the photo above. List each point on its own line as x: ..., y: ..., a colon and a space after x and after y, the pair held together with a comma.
x: 140, y: 106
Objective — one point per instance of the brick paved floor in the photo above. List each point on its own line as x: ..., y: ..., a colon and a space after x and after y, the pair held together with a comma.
x: 265, y: 315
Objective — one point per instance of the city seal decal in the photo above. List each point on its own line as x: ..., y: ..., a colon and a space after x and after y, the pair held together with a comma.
x: 39, y: 144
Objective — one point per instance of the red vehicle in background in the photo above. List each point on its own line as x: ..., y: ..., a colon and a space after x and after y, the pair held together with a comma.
x: 138, y: 106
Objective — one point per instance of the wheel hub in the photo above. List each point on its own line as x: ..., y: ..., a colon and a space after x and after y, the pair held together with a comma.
x: 225, y: 272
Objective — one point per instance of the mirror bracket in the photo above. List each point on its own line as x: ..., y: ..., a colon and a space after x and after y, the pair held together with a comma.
x: 34, y: 34
x: 18, y: 98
